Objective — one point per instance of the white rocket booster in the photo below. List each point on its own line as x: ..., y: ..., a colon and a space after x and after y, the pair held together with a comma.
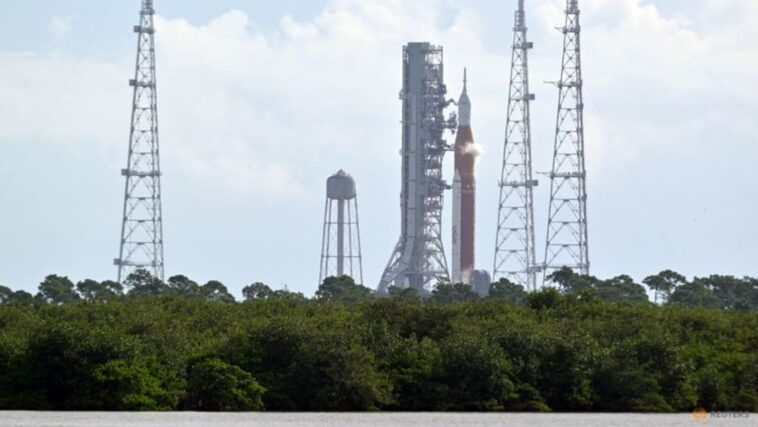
x: 457, y: 277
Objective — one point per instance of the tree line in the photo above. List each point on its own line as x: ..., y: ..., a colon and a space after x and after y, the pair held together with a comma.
x: 666, y: 287
x: 586, y: 345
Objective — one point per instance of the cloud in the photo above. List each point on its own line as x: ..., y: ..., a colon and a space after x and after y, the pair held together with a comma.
x: 247, y: 111
x: 46, y: 102
x: 322, y: 90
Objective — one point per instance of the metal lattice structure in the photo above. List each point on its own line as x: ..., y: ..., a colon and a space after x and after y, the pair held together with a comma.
x: 567, y: 244
x: 141, y: 245
x: 515, y: 256
x: 418, y: 260
x: 341, y: 240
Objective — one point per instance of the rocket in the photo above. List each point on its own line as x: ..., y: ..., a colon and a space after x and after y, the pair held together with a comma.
x: 464, y: 192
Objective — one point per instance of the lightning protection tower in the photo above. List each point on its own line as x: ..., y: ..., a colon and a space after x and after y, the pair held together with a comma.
x: 418, y: 260
x: 515, y: 257
x: 341, y: 242
x: 567, y: 218
x: 141, y: 245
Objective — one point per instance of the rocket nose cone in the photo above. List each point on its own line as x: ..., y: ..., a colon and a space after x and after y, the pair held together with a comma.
x: 464, y: 104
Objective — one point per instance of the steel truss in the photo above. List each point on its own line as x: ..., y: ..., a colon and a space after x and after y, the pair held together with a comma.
x: 141, y: 245
x: 567, y: 242
x: 418, y: 260
x: 515, y: 257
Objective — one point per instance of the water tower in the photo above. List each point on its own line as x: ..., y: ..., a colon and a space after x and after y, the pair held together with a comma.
x: 341, y: 243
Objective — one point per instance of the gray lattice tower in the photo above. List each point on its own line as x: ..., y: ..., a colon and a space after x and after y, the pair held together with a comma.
x: 341, y: 241
x: 418, y: 260
x: 141, y: 245
x: 515, y: 257
x: 567, y: 219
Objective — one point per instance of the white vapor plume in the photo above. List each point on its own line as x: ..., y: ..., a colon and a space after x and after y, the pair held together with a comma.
x: 475, y: 149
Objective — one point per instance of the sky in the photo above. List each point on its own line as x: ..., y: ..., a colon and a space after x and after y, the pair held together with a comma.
x: 261, y: 101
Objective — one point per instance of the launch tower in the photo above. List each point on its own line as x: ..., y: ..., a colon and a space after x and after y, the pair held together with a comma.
x: 418, y: 260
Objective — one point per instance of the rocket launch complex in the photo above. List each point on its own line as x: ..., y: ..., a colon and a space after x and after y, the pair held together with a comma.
x: 464, y: 192
x: 418, y: 260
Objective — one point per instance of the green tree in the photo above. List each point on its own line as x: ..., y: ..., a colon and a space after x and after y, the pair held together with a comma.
x: 754, y: 284
x: 340, y: 373
x: 215, y: 291
x: 506, y: 290
x: 642, y: 373
x: 559, y: 352
x: 546, y: 298
x: 695, y: 294
x: 130, y: 386
x: 571, y: 282
x: 91, y: 290
x: 20, y: 298
x: 57, y: 290
x: 257, y: 291
x: 415, y: 369
x: 342, y: 289
x: 664, y: 283
x: 288, y: 296
x: 477, y: 374
x: 214, y: 385
x: 621, y: 289
x: 447, y: 293
x: 61, y: 365
x: 181, y: 285
x: 143, y: 284
x: 318, y: 353
x: 113, y: 288
x: 404, y: 294
x: 562, y: 371
x: 5, y: 294
x: 733, y: 293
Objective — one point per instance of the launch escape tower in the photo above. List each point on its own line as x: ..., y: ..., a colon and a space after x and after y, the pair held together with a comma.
x: 141, y: 245
x: 515, y: 256
x: 418, y: 260
x: 567, y: 219
x: 341, y: 241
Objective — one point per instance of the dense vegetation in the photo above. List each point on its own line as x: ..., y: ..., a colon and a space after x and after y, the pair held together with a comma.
x: 592, y: 345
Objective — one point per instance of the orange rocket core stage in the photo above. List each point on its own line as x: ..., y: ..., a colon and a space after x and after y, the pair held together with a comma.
x: 464, y: 192
x: 465, y: 164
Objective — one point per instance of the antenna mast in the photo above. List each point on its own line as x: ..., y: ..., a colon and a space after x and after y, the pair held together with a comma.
x: 567, y: 220
x: 141, y: 245
x: 515, y: 257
